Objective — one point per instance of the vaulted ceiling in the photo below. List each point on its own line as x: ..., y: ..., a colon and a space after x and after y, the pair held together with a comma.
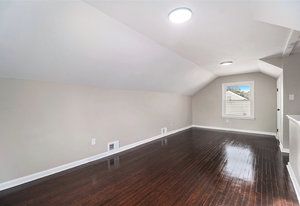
x: 131, y: 44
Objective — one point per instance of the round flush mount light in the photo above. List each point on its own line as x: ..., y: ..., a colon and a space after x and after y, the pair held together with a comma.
x: 226, y: 63
x: 180, y: 15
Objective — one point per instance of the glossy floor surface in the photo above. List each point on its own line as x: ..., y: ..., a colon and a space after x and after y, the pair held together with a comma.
x: 195, y: 167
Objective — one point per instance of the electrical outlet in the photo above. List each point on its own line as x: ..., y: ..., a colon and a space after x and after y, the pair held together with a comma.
x: 93, y: 141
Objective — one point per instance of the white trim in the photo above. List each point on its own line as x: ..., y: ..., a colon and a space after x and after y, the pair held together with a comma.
x: 294, y: 180
x: 38, y: 175
x: 284, y: 150
x: 236, y: 130
x: 294, y: 118
x: 251, y: 84
x: 280, y: 116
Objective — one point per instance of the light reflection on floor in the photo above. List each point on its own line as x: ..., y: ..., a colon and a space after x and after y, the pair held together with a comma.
x: 239, y: 163
x: 113, y: 163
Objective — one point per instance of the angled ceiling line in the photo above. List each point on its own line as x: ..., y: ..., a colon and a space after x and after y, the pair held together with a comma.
x: 291, y: 43
x: 149, y: 38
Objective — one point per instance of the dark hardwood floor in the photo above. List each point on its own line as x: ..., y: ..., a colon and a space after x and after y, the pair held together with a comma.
x: 195, y: 167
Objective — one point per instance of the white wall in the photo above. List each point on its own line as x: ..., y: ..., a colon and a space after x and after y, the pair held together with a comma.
x: 207, y: 104
x: 44, y: 125
x: 294, y: 157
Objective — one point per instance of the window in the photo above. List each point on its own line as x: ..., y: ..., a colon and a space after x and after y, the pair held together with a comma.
x: 238, y: 100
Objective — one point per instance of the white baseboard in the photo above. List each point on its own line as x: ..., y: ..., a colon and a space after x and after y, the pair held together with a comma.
x: 284, y: 150
x: 38, y: 175
x: 235, y: 130
x: 294, y: 181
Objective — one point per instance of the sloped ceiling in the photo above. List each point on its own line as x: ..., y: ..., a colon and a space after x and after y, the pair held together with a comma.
x: 218, y: 31
x: 130, y: 44
x: 281, y: 13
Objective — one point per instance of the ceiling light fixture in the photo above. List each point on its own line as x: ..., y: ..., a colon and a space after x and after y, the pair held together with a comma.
x: 226, y: 63
x: 180, y: 15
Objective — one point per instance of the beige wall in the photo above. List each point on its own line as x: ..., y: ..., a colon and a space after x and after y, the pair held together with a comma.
x: 43, y: 125
x: 207, y: 104
x: 291, y: 85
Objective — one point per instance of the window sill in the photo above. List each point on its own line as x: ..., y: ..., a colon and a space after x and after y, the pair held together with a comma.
x: 237, y: 117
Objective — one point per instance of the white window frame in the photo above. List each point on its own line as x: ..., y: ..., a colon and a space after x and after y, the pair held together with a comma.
x: 251, y: 98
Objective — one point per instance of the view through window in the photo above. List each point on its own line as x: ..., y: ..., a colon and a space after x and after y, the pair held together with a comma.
x: 238, y: 100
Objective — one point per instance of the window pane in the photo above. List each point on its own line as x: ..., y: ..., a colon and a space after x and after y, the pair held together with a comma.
x: 237, y: 100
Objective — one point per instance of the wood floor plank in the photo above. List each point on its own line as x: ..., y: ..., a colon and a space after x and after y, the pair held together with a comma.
x: 194, y: 167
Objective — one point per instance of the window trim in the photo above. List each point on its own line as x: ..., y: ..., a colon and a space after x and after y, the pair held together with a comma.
x: 252, y: 111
